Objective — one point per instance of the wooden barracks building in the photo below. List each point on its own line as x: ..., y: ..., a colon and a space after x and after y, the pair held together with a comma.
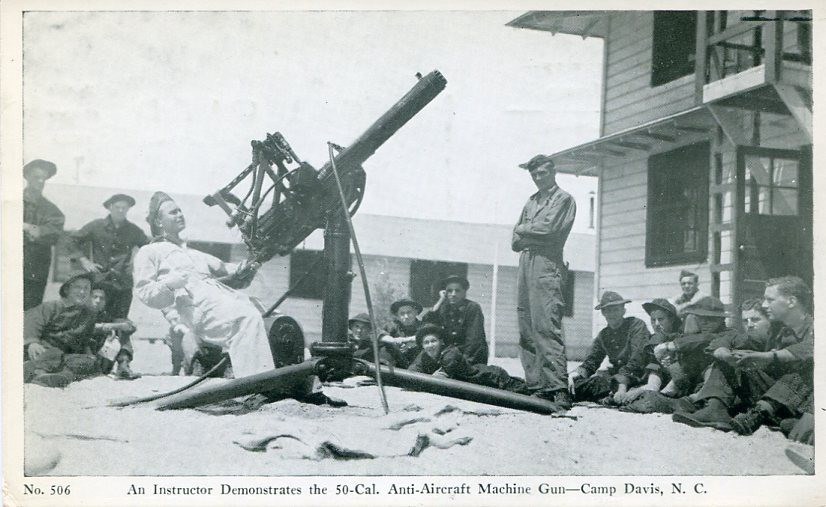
x: 403, y: 256
x: 704, y: 155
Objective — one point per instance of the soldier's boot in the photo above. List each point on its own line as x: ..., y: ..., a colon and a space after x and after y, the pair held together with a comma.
x: 713, y: 415
x: 124, y: 371
x: 749, y: 422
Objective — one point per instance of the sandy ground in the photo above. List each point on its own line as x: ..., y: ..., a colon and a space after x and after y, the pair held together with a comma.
x: 446, y: 436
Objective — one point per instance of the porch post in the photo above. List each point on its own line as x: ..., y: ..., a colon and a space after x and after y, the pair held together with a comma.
x: 774, y: 46
x: 700, y: 57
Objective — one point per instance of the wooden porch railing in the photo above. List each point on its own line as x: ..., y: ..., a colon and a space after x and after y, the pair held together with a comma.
x: 722, y: 50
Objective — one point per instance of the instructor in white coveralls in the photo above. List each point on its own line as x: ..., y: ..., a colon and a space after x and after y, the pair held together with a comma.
x: 171, y: 277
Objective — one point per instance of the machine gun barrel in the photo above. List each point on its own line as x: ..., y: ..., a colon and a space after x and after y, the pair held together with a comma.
x: 288, y: 223
x: 425, y: 90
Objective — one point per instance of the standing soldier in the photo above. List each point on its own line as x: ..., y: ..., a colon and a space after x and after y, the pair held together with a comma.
x: 105, y: 246
x: 540, y: 236
x: 42, y: 226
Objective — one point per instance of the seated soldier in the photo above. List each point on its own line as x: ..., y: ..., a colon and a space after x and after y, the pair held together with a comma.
x: 770, y: 383
x: 756, y: 326
x: 361, y: 335
x: 461, y: 318
x: 401, y: 333
x: 446, y: 360
x: 687, y: 353
x: 666, y: 325
x: 113, y: 343
x: 620, y: 341
x: 57, y: 336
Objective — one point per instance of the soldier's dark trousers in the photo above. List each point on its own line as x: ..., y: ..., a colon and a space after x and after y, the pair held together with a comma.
x: 594, y: 388
x: 36, y: 264
x: 731, y: 385
x: 120, y: 300
x: 539, y: 308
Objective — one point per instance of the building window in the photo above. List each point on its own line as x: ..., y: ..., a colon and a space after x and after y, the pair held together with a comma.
x: 308, y: 262
x: 426, y: 275
x: 677, y: 221
x: 672, y: 55
x: 221, y: 250
x: 771, y: 186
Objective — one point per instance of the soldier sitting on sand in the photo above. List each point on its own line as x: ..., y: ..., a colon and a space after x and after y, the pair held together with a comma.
x: 620, y: 341
x: 57, y: 336
x: 361, y: 335
x: 686, y: 355
x: 113, y: 343
x: 666, y: 325
x: 441, y: 358
x: 401, y: 333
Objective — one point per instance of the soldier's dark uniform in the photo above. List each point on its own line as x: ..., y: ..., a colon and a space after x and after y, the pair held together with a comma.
x: 622, y: 346
x: 786, y: 384
x: 464, y: 325
x: 111, y: 247
x: 65, y: 332
x: 540, y: 236
x: 407, y: 351
x: 37, y: 253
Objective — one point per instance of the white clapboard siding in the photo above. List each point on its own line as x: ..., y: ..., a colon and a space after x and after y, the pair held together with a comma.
x: 629, y: 97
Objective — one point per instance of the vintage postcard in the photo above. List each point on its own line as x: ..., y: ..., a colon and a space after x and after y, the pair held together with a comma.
x: 410, y: 254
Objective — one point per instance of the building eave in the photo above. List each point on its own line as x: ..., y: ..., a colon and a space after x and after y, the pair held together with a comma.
x: 653, y: 137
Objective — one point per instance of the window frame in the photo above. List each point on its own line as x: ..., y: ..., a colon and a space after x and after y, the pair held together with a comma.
x: 665, y: 168
x: 662, y: 74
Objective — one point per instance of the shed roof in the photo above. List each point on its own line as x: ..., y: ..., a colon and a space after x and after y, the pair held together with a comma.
x: 656, y: 136
x: 582, y: 23
x: 390, y: 236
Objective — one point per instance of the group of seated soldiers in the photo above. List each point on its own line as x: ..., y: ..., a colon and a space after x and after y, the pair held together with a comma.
x: 446, y: 340
x: 692, y: 366
x: 704, y: 373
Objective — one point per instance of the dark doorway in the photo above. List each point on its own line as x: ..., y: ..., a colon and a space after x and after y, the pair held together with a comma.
x: 426, y: 275
x: 774, y: 225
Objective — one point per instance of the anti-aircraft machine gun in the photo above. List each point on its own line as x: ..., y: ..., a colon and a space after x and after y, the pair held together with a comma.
x: 305, y: 199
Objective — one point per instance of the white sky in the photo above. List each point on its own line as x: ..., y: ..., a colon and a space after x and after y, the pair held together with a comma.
x: 170, y: 100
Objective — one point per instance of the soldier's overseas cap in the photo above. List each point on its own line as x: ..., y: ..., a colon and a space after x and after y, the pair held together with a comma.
x: 49, y: 167
x: 684, y: 273
x: 610, y: 298
x: 536, y: 162
x: 128, y: 199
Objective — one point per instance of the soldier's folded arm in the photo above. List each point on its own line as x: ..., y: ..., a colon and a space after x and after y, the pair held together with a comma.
x: 52, y: 225
x: 557, y: 219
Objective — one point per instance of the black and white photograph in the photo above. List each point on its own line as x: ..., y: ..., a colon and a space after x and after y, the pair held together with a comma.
x: 297, y: 254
